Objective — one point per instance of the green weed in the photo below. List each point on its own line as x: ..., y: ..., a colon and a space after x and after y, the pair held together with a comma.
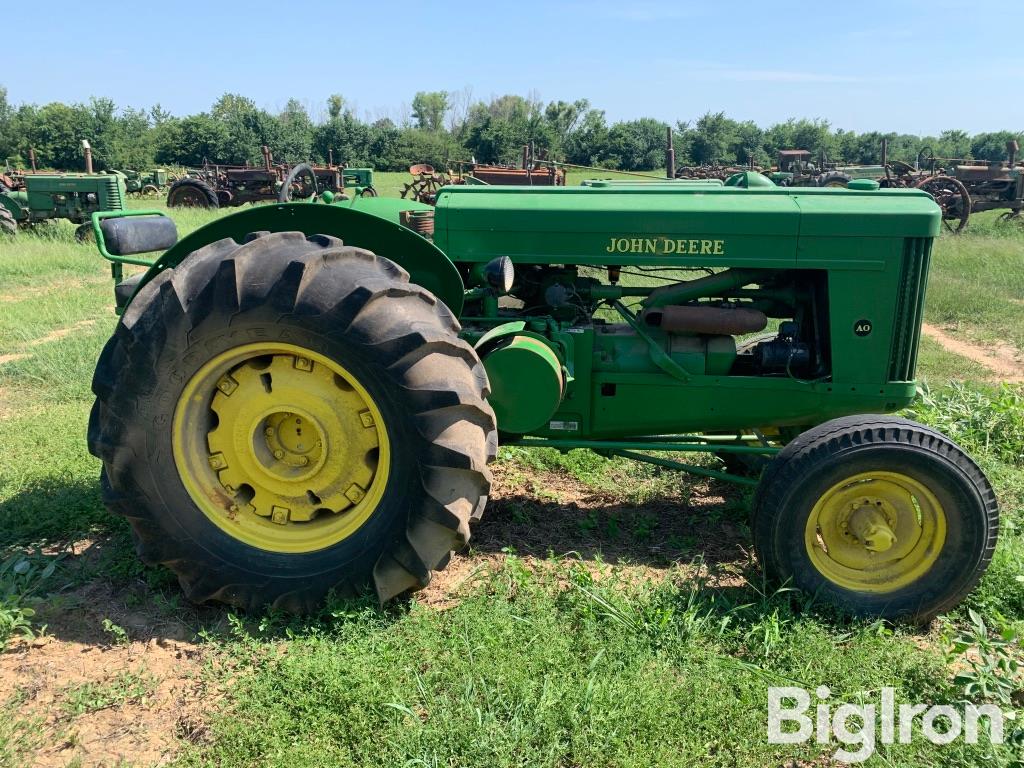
x: 123, y: 688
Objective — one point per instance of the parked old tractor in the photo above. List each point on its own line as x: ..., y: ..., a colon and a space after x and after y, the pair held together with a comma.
x: 301, y: 398
x: 796, y: 169
x: 145, y: 183
x: 963, y: 187
x: 223, y: 186
x: 73, y: 196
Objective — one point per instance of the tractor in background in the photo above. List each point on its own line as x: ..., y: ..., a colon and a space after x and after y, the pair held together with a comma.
x: 30, y: 197
x: 963, y: 187
x: 145, y: 183
x: 224, y: 186
x: 72, y: 196
x: 795, y: 169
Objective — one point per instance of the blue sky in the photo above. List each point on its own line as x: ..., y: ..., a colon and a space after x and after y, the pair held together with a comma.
x: 916, y: 66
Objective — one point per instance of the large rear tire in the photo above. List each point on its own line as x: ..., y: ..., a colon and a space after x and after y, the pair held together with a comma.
x: 8, y: 225
x: 191, y: 193
x: 834, y: 179
x: 879, y: 515
x: 307, y: 334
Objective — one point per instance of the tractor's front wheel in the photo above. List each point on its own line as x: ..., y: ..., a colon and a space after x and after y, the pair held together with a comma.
x: 287, y: 416
x: 84, y: 234
x: 877, y: 514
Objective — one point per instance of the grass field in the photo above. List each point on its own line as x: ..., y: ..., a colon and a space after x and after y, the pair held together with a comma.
x: 607, y: 614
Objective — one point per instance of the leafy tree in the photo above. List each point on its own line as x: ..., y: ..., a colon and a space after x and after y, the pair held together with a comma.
x: 247, y: 129
x: 296, y: 133
x: 711, y: 138
x: 192, y: 141
x: 588, y: 143
x: 562, y: 117
x: 496, y: 132
x: 953, y: 144
x: 992, y: 146
x: 429, y: 108
x: 637, y: 145
x: 335, y: 103
x: 8, y: 147
x: 158, y: 115
x: 55, y: 131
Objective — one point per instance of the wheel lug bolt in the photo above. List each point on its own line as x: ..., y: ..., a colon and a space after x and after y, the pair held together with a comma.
x: 278, y: 454
x: 269, y: 431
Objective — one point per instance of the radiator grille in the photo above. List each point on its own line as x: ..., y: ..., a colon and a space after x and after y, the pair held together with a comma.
x: 111, y: 199
x: 909, y: 309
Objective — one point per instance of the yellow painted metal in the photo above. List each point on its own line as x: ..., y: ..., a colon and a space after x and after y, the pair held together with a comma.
x: 281, y: 447
x: 875, y: 532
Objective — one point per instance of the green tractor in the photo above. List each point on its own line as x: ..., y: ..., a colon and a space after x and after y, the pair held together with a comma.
x: 796, y: 169
x: 305, y: 397
x: 71, y: 196
x: 145, y: 183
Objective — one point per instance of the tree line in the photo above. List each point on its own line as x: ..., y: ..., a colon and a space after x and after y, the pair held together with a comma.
x: 442, y: 129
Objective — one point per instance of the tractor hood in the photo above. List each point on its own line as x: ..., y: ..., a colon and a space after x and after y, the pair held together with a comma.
x: 670, y: 224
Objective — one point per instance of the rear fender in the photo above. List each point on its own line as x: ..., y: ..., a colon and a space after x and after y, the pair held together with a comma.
x: 16, y: 203
x: 426, y: 264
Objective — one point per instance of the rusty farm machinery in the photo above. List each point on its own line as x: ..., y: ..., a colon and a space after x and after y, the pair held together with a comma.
x: 224, y: 186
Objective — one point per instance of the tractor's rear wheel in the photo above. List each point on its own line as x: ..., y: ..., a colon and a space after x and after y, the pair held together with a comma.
x: 878, y: 514
x: 287, y: 416
x: 952, y: 197
x: 191, y: 193
x: 834, y: 179
x: 8, y: 225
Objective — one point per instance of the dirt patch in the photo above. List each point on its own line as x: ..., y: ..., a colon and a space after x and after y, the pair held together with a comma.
x: 1002, y: 359
x: 8, y: 403
x: 61, y: 333
x: 36, y: 290
x: 11, y: 358
x: 105, y: 698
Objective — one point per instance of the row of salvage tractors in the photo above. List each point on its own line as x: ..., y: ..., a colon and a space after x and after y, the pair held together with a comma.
x: 304, y: 397
x: 960, y: 187
x: 29, y: 197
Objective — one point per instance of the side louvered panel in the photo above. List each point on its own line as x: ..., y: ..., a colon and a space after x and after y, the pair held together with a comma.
x: 909, y: 309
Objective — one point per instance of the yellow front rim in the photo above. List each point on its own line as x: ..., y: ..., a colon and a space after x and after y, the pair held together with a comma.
x: 280, y: 447
x: 875, y: 532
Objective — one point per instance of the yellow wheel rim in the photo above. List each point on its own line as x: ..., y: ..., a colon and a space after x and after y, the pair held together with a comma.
x: 280, y: 447
x: 875, y: 532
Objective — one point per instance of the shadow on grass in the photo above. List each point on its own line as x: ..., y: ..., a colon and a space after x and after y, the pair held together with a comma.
x: 658, y: 532
x: 100, y: 593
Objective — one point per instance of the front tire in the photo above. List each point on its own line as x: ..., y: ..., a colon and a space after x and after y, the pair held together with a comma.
x: 879, y: 515
x: 313, y: 335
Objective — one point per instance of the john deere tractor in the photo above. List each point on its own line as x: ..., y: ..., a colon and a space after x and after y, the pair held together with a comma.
x: 71, y: 196
x: 305, y: 397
